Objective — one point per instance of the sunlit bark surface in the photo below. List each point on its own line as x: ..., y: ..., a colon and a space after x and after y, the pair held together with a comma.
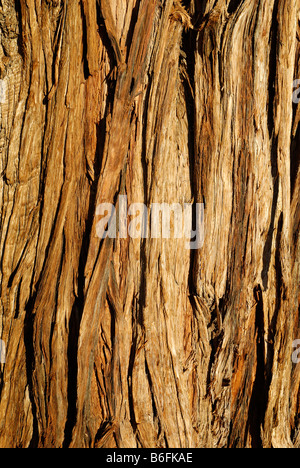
x: 143, y: 342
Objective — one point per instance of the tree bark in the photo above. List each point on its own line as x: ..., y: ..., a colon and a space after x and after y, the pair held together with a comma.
x: 143, y: 342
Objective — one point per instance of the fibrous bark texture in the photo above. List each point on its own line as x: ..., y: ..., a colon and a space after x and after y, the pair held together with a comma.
x: 134, y: 342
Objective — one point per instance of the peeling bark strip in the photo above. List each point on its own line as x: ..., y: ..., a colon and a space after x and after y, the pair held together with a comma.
x: 142, y: 342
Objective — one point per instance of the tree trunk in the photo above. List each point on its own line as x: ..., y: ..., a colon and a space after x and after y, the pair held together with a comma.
x: 141, y: 342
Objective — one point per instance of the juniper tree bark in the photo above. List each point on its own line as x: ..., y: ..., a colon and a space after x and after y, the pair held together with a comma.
x: 142, y: 342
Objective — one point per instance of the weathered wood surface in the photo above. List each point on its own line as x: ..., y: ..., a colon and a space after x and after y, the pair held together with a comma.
x: 141, y: 342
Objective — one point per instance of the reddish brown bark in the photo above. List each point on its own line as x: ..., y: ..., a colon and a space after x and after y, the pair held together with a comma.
x: 142, y: 342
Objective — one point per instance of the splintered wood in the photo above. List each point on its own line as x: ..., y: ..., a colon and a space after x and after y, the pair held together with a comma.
x: 142, y: 342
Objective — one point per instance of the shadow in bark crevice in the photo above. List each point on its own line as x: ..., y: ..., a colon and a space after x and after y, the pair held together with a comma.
x: 77, y: 310
x: 30, y: 360
x: 258, y: 401
x: 267, y: 253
